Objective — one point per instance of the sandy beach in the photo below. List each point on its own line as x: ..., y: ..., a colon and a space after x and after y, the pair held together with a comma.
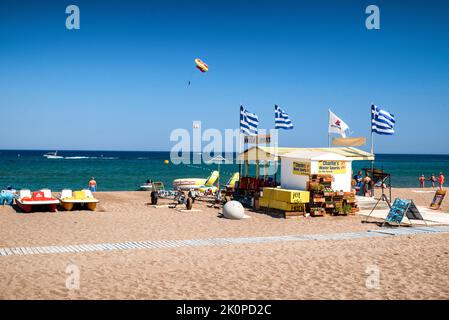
x: 410, y: 267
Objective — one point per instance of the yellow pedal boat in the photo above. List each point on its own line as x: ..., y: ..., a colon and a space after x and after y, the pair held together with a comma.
x: 83, y: 198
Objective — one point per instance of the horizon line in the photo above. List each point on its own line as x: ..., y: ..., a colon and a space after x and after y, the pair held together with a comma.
x: 91, y: 150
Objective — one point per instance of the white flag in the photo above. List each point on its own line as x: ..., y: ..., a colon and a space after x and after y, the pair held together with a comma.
x: 336, y: 125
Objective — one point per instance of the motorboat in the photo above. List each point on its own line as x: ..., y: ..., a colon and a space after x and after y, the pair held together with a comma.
x: 52, y: 155
x: 146, y: 187
x: 41, y: 200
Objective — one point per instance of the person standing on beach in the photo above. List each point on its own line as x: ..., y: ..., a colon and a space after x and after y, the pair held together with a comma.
x: 441, y: 180
x: 92, y: 185
x: 422, y: 179
x: 358, y: 178
x: 358, y: 181
x: 366, y: 185
x: 432, y: 180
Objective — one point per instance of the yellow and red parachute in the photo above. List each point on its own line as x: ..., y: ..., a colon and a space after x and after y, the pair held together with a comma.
x: 203, y: 67
x: 200, y: 65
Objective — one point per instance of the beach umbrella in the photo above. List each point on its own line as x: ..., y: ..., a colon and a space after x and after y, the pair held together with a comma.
x: 218, y: 160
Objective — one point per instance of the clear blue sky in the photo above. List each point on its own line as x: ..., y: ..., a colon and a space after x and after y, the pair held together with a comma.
x: 120, y: 82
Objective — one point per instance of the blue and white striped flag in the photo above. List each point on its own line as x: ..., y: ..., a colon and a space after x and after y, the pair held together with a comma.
x: 281, y: 119
x: 248, y: 122
x: 382, y: 122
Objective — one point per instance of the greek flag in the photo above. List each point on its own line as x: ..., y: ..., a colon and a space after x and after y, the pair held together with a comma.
x: 281, y: 119
x: 382, y: 122
x: 248, y: 122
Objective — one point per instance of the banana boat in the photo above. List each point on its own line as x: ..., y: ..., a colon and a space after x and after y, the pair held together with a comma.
x: 186, y: 184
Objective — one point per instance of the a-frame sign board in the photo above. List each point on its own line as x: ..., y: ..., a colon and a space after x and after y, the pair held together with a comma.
x: 401, y: 208
x: 437, y: 199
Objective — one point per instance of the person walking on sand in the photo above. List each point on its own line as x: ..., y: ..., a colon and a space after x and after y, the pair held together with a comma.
x: 432, y: 180
x: 422, y: 179
x: 441, y: 180
x: 92, y: 185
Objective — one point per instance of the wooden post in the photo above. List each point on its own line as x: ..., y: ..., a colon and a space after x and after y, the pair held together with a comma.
x: 264, y: 170
x: 257, y: 169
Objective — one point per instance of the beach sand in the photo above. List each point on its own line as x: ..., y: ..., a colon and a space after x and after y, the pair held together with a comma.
x: 410, y: 267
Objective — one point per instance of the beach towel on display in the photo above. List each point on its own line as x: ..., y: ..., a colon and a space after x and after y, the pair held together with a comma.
x: 397, y: 211
x: 437, y: 199
x: 401, y: 208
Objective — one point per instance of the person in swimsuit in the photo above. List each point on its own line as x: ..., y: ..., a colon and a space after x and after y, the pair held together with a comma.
x: 422, y: 179
x: 441, y: 180
x: 432, y: 180
x: 92, y: 185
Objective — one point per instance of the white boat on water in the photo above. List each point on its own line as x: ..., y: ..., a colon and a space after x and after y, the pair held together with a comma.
x: 52, y: 155
x: 146, y: 187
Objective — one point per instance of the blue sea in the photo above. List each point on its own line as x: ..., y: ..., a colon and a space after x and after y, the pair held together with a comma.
x: 115, y: 170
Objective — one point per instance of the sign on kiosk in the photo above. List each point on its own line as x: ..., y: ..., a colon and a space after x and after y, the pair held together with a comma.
x: 301, y: 168
x: 332, y: 167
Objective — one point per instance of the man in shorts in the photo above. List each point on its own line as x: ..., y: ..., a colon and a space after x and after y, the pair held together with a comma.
x: 92, y: 185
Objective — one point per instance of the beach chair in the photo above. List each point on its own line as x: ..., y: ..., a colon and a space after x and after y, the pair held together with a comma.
x: 232, y: 180
x: 88, y: 193
x: 209, y: 186
x: 24, y: 193
x: 47, y: 193
x: 211, y: 179
x: 66, y: 193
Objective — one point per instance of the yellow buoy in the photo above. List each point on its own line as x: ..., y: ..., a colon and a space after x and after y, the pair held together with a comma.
x: 166, y: 162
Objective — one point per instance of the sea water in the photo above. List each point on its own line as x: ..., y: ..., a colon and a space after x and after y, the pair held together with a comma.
x: 115, y: 170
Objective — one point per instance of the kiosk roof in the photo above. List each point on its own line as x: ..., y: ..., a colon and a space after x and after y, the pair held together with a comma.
x: 263, y: 153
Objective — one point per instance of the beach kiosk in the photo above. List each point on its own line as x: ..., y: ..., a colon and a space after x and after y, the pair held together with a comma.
x: 319, y: 178
x: 263, y: 155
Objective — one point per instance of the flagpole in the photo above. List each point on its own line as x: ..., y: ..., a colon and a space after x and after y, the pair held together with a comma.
x: 371, y: 128
x: 328, y: 133
x: 240, y: 143
x: 372, y: 147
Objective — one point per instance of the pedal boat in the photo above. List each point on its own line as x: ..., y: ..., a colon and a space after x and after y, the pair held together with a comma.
x: 37, y: 201
x: 82, y: 198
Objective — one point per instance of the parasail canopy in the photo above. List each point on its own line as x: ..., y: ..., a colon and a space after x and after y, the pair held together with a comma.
x: 201, y: 65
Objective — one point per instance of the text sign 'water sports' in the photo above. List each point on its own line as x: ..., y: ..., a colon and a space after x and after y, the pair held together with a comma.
x: 332, y: 166
x: 301, y: 168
